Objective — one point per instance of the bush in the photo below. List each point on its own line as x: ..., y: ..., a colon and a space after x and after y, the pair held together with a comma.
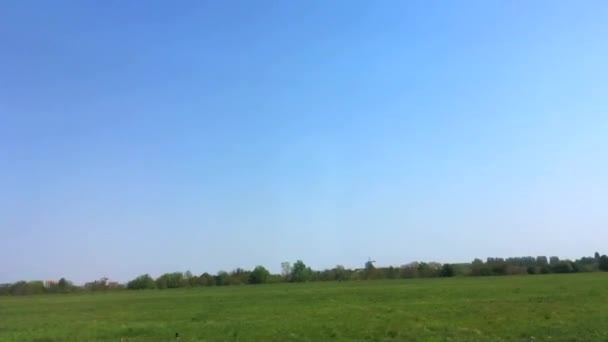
x: 563, y: 266
x: 603, y: 263
x: 447, y: 270
x: 300, y: 273
x: 259, y: 275
x: 171, y: 281
x: 141, y: 283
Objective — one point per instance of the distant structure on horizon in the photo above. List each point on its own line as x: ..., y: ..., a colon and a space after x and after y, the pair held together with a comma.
x: 103, y: 283
x: 49, y: 283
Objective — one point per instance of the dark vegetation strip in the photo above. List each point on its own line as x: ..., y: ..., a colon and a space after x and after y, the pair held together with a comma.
x: 299, y: 272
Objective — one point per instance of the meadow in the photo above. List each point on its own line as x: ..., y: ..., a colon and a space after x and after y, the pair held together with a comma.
x: 568, y: 307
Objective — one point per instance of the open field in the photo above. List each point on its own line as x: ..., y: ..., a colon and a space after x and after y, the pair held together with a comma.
x: 527, y: 308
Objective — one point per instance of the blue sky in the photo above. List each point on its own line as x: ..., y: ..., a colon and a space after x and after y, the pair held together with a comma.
x: 147, y: 138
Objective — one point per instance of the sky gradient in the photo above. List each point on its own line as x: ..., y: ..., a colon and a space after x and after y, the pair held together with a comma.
x: 208, y: 135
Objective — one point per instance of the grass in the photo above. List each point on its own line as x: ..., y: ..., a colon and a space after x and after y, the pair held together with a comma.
x: 518, y: 308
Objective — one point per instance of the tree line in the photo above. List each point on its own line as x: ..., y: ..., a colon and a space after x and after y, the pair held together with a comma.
x: 299, y: 272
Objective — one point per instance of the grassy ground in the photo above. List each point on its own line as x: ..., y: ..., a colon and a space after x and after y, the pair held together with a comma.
x: 525, y: 308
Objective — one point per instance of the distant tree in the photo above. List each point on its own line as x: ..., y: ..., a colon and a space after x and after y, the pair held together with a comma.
x: 428, y: 270
x: 325, y: 275
x: 461, y: 269
x: 355, y: 275
x: 553, y: 261
x: 5, y: 289
x: 62, y: 286
x: 259, y: 275
x: 161, y: 282
x: 340, y: 273
x: 141, y: 283
x: 423, y: 269
x: 19, y: 288
x: 409, y: 271
x: 101, y: 284
x: 189, y: 279
x: 512, y: 269
x: 587, y: 264
x: 498, y: 267
x: 478, y: 268
x: 392, y: 273
x: 603, y: 263
x: 207, y: 279
x: 275, y: 278
x: 194, y: 281
x: 286, y: 269
x: 35, y: 287
x: 477, y: 261
x: 447, y: 270
x: 238, y: 276
x: 299, y: 272
x: 495, y: 260
x: 575, y: 267
x: 23, y: 288
x: 171, y: 281
x: 521, y: 261
x: 541, y: 261
x: 221, y: 278
x: 564, y: 266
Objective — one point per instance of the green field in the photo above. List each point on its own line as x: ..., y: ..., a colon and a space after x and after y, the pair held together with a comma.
x: 527, y: 308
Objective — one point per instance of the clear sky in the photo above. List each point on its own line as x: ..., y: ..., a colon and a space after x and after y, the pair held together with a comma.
x: 148, y: 137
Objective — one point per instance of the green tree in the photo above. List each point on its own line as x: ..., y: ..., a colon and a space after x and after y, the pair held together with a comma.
x: 553, y: 261
x: 409, y: 271
x: 259, y: 275
x: 194, y: 281
x: 36, y: 287
x: 171, y: 281
x: 63, y: 286
x: 603, y: 263
x: 428, y: 270
x: 299, y: 272
x: 207, y: 279
x: 19, y: 288
x: 447, y: 270
x: 391, y: 273
x: 340, y: 273
x: 238, y: 276
x: 541, y: 261
x: 161, y: 282
x: 478, y: 268
x: 564, y: 266
x: 141, y: 283
x: 221, y: 278
x: 189, y: 279
x: 5, y: 289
